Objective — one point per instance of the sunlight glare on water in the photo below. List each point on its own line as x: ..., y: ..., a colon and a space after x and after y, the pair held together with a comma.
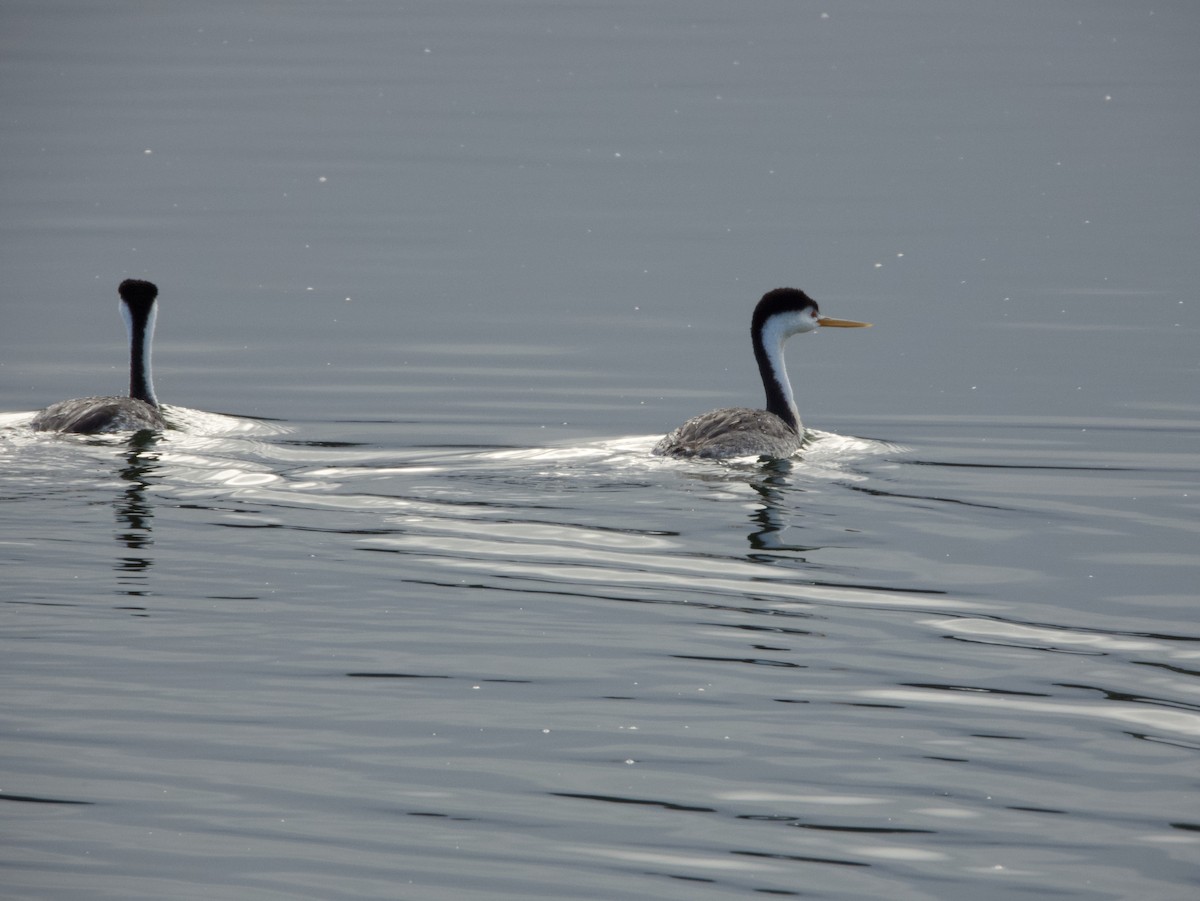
x: 415, y: 613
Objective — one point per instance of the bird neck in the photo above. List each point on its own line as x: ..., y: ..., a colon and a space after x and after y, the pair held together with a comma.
x: 141, y: 333
x: 768, y: 351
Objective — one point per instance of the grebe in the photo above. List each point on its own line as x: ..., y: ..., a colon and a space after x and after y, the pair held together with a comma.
x: 775, y: 431
x: 88, y: 415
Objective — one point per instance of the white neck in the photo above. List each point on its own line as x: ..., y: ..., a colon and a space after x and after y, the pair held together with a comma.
x: 139, y: 359
x: 776, y: 331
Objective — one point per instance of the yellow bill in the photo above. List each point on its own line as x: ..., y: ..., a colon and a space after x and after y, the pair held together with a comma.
x: 841, y: 323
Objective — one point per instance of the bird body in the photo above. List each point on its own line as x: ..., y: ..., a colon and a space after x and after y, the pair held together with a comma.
x: 731, y: 432
x: 777, y: 430
x: 90, y: 415
x: 140, y: 410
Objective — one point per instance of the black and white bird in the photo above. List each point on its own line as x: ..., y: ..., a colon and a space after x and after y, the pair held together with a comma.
x: 775, y: 431
x: 140, y: 410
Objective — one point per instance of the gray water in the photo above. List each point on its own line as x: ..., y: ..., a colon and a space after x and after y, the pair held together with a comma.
x: 406, y: 610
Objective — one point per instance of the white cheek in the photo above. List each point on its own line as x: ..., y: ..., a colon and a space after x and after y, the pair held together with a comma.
x: 804, y: 321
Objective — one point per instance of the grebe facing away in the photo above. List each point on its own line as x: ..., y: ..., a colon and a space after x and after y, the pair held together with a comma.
x: 775, y: 431
x: 88, y: 415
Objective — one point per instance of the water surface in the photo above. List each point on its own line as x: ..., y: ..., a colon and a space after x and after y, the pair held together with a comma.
x: 409, y: 611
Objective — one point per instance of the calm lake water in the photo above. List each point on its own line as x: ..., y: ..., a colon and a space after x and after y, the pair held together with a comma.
x: 410, y: 612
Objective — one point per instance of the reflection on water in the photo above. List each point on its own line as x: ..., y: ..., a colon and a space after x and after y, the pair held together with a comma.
x: 135, y: 514
x: 770, y: 517
x: 423, y: 639
x: 777, y: 664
